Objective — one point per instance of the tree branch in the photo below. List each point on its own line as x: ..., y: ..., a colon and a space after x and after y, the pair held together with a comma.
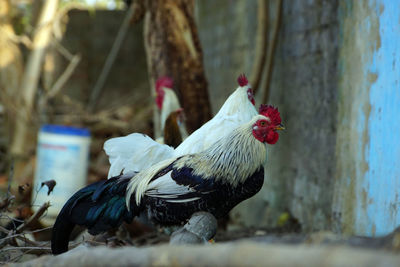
x: 261, y: 44
x: 271, y: 52
x: 31, y: 75
x: 96, y: 91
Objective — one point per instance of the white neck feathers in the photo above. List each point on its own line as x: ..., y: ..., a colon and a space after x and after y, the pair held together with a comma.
x: 237, y: 103
x: 233, y: 158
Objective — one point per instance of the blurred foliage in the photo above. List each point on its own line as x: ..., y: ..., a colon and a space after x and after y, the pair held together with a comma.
x: 23, y: 11
x: 20, y: 17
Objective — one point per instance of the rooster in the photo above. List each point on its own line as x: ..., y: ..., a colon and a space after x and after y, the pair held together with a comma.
x: 214, y: 180
x: 136, y: 152
x: 167, y: 102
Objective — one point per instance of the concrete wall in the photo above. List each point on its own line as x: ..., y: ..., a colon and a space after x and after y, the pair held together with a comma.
x: 301, y: 165
x: 304, y: 86
x: 368, y: 148
x: 227, y: 31
x: 92, y: 34
x: 335, y: 82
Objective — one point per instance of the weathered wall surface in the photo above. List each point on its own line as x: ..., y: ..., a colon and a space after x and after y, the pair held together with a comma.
x: 92, y: 35
x: 301, y: 165
x: 227, y: 32
x: 368, y: 148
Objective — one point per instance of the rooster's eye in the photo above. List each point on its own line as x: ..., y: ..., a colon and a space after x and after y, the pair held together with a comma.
x: 263, y: 123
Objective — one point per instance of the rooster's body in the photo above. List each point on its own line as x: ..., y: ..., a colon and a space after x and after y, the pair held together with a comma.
x: 214, y: 180
x: 136, y: 152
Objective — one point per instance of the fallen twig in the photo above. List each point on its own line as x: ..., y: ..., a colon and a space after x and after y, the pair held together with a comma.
x: 4, y: 230
x: 28, y: 241
x: 32, y: 250
x: 5, y: 203
x: 39, y: 230
x: 34, y: 217
x: 11, y: 237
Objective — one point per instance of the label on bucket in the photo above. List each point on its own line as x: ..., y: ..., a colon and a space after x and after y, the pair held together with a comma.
x: 64, y: 159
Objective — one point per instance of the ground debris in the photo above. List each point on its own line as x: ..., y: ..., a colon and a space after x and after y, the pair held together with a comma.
x: 224, y: 254
x: 119, y: 248
x: 50, y: 185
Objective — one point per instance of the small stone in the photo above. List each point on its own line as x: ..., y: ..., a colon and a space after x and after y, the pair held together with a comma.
x: 201, y: 227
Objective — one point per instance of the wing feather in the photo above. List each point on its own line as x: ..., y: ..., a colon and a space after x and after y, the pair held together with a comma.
x: 134, y: 152
x: 179, y: 186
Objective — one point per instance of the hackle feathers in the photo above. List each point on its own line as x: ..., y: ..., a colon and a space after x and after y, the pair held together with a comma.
x: 234, y: 158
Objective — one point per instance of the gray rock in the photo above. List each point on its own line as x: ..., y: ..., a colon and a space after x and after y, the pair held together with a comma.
x: 201, y: 227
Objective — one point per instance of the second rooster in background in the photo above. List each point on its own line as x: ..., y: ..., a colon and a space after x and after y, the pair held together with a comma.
x: 171, y: 113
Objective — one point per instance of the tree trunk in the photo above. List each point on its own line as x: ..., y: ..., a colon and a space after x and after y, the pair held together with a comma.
x: 173, y: 49
x: 31, y: 76
x: 11, y: 68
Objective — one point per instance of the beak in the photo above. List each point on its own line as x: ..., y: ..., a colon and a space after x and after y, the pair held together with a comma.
x: 280, y: 127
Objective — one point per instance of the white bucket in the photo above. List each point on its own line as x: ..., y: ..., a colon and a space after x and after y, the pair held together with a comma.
x: 63, y: 156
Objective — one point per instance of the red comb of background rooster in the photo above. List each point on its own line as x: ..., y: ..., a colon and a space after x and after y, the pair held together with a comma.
x: 164, y: 81
x: 270, y: 112
x: 242, y: 80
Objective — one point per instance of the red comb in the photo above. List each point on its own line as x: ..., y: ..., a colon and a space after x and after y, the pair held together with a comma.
x: 270, y: 112
x: 164, y: 81
x: 242, y: 80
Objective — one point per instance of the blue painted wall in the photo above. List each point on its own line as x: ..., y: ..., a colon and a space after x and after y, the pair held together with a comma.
x: 382, y: 180
x: 367, y: 193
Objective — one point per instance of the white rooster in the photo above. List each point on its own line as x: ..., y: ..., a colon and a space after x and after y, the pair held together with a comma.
x: 167, y: 103
x: 166, y: 99
x: 137, y: 151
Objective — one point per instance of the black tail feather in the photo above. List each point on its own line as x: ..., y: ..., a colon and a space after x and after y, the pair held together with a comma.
x: 61, y: 231
x: 99, y: 206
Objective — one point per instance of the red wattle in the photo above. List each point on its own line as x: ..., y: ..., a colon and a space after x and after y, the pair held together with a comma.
x: 272, y: 137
